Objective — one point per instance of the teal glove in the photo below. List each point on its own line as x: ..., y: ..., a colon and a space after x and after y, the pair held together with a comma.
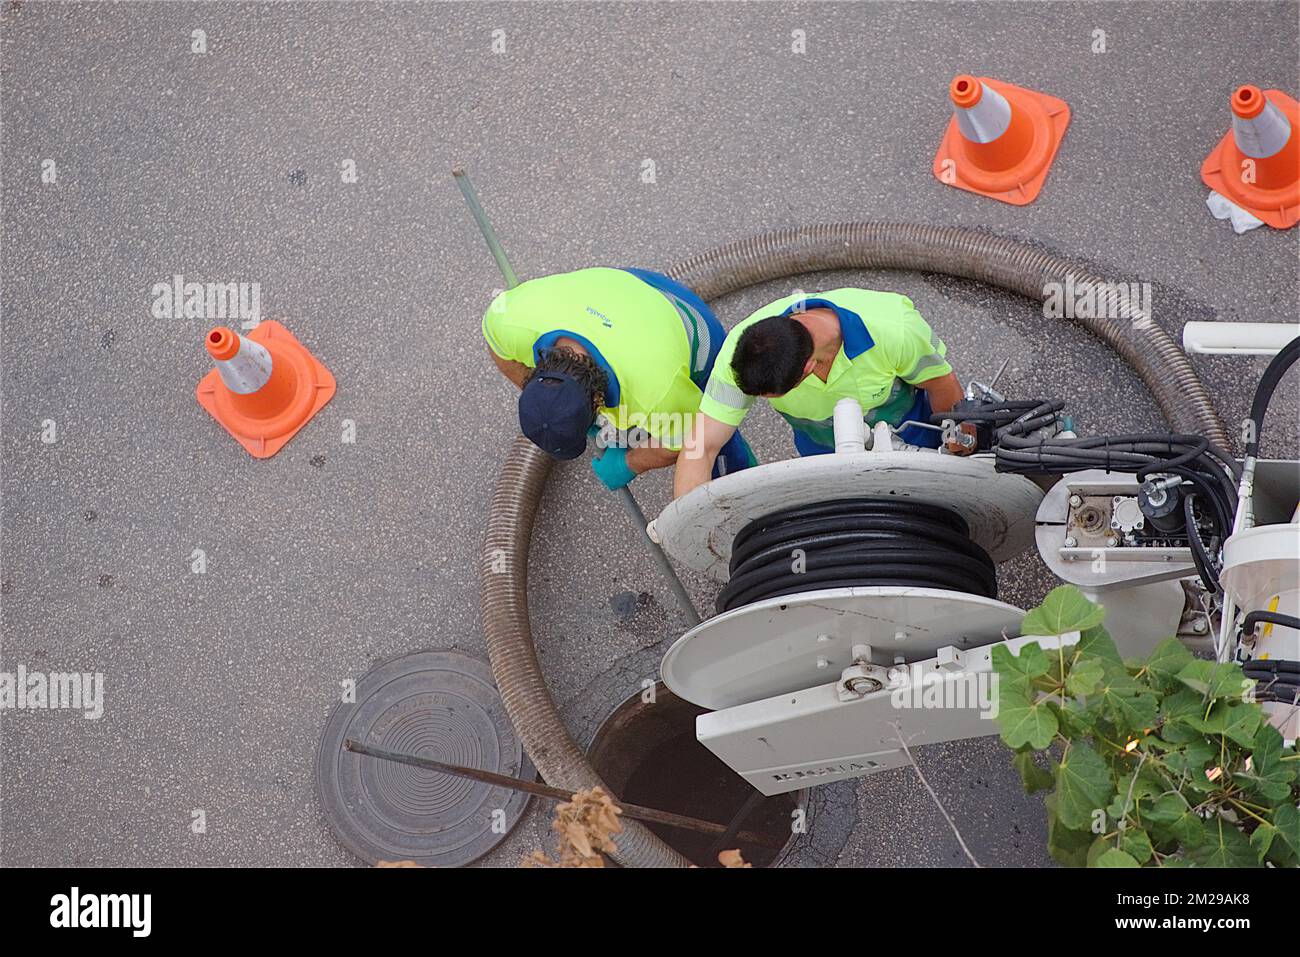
x: 612, y: 468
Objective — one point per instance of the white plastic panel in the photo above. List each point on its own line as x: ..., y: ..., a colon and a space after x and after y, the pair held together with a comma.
x: 799, y: 641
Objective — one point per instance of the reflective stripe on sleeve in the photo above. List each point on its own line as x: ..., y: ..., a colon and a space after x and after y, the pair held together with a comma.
x: 724, y: 393
x: 931, y: 361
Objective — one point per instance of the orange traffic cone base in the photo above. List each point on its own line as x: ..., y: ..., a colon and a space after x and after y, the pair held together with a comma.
x: 1222, y: 172
x: 264, y: 437
x: 1021, y: 184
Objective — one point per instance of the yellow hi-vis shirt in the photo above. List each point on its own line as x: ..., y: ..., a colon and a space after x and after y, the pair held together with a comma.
x: 633, y: 331
x: 888, y: 348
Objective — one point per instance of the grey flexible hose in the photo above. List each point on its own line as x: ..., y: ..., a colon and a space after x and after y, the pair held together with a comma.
x: 1012, y: 265
x: 503, y: 597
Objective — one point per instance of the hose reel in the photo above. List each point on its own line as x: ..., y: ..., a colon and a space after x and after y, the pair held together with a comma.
x: 862, y: 541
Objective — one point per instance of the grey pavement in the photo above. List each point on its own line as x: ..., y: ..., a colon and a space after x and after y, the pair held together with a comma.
x: 332, y: 556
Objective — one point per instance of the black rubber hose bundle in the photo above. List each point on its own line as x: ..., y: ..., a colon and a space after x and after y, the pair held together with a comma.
x: 856, y: 542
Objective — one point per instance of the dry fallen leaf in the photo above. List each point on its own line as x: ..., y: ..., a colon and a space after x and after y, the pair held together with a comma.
x: 585, y: 826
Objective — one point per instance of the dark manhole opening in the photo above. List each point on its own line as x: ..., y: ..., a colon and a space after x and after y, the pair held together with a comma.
x: 646, y: 751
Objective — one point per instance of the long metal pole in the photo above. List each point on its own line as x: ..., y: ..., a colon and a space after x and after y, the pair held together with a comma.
x: 674, y: 583
x: 625, y: 494
x: 484, y: 225
x: 634, y: 811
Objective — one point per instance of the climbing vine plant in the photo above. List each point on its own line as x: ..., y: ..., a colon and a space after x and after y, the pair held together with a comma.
x: 1165, y: 762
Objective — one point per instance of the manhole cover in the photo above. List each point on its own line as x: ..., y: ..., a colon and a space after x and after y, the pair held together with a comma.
x: 434, y: 704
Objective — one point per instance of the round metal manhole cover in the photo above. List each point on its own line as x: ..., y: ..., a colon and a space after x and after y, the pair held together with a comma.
x: 434, y: 704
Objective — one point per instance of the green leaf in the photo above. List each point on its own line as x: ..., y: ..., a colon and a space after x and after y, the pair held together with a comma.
x: 1190, y: 760
x: 1239, y: 722
x: 1182, y: 703
x: 1032, y: 661
x: 1067, y: 847
x: 1084, y: 677
x: 1128, y: 702
x: 1225, y: 846
x: 1135, y: 841
x: 1114, y: 858
x: 1168, y: 659
x: 1262, y: 839
x: 1034, y: 777
x: 1023, y: 717
x: 1223, y: 680
x: 1286, y: 818
x: 1135, y: 714
x: 1063, y: 610
x: 1083, y: 785
x: 1166, y: 809
x: 1128, y: 795
x: 1097, y: 643
x: 1269, y: 776
x: 1077, y: 718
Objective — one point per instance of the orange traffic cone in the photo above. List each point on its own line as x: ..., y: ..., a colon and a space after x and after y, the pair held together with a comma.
x: 1001, y: 139
x: 265, y: 386
x: 1257, y: 163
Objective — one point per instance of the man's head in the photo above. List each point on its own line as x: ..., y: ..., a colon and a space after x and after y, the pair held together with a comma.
x: 773, y: 356
x: 559, y: 401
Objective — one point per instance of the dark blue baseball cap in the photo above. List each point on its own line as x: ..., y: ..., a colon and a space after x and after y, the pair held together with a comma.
x: 555, y: 412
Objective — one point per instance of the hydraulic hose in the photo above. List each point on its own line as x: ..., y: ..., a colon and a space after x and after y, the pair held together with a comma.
x: 1005, y: 263
x: 1277, y: 368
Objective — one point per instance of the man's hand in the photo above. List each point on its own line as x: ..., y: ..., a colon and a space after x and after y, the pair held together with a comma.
x: 704, y: 440
x: 617, y: 466
x: 612, y: 468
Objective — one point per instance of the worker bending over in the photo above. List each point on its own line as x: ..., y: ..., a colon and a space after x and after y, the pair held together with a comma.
x: 630, y: 344
x: 804, y: 354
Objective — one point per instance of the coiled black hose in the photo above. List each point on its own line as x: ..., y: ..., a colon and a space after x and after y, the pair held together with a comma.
x: 860, y: 541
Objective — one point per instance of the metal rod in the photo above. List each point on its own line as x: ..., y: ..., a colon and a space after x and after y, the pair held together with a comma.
x: 733, y: 828
x: 484, y: 225
x: 674, y: 583
x: 634, y: 811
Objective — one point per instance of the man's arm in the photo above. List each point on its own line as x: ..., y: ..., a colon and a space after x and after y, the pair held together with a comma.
x: 945, y: 392
x: 516, y: 372
x: 704, y: 440
x: 646, y: 457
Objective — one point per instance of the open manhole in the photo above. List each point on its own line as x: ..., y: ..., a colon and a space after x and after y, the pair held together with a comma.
x: 648, y: 754
x: 433, y: 704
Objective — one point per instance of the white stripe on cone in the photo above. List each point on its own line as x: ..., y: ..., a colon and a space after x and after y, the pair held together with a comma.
x: 986, y: 120
x: 1263, y: 135
x: 249, y: 368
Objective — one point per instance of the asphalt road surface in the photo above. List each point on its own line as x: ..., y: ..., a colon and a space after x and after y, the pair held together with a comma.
x: 234, y: 165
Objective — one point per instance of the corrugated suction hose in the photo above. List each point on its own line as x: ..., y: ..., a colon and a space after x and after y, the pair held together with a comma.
x: 1012, y: 265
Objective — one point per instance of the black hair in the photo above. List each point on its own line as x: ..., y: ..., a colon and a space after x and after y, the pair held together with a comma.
x: 770, y: 356
x: 583, y: 369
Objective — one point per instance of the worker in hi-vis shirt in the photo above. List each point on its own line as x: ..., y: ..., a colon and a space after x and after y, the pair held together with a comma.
x: 803, y: 354
x: 630, y: 344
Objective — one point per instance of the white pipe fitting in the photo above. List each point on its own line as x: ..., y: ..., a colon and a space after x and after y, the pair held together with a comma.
x: 850, y: 429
